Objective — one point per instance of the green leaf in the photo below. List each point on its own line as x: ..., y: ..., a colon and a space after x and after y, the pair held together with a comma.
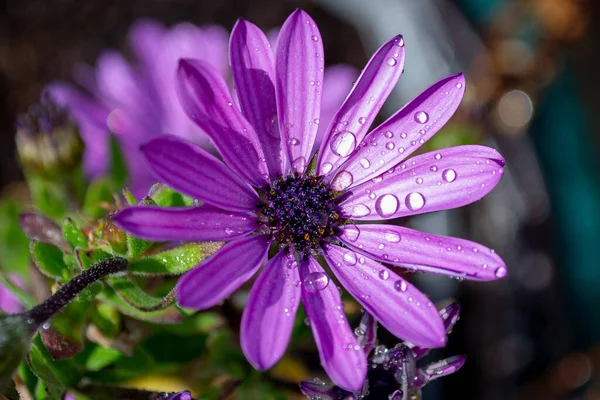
x: 107, y: 319
x: 169, y: 315
x: 73, y: 235
x: 49, y: 260
x: 14, y: 340
x: 57, y: 373
x: 46, y: 391
x: 164, y: 196
x: 87, y: 258
x: 99, y: 192
x: 14, y: 245
x: 129, y: 197
x: 136, y: 297
x: 50, y: 197
x: 100, y: 357
x: 118, y: 169
x: 175, y: 261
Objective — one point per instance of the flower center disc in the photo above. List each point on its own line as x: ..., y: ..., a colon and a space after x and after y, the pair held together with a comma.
x: 300, y: 211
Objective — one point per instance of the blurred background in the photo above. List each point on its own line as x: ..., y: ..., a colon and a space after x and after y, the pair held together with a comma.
x: 532, y: 93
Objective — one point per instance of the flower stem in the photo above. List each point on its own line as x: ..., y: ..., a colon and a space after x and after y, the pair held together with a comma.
x: 55, y: 303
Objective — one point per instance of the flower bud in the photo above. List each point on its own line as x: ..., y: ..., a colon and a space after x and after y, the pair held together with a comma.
x: 48, y: 140
x: 14, y: 342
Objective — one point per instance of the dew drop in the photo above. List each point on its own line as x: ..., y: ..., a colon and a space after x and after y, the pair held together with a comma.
x: 449, y: 175
x: 458, y: 85
x: 294, y: 142
x: 391, y: 61
x: 400, y: 285
x: 433, y: 168
x: 343, y: 144
x: 419, y: 181
x: 401, y: 150
x: 299, y: 164
x: 351, y: 233
x: 326, y: 168
x: 386, y: 205
x: 350, y: 258
x: 415, y: 201
x: 360, y: 210
x: 342, y: 180
x: 384, y: 274
x: 500, y: 272
x: 362, y: 120
x: 421, y: 117
x: 315, y: 281
x: 390, y: 146
x: 365, y: 163
x: 316, y: 121
x: 403, y: 135
x: 314, y: 38
x: 389, y: 134
x: 392, y: 237
x: 437, y: 156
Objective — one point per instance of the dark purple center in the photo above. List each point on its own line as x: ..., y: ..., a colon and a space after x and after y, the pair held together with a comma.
x: 300, y: 211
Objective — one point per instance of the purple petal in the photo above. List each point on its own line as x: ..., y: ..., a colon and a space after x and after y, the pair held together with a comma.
x: 298, y: 85
x: 206, y: 100
x: 337, y: 83
x: 185, y: 223
x: 191, y: 170
x: 269, y: 316
x: 449, y: 315
x: 222, y: 274
x: 405, y: 131
x: 351, y: 123
x: 179, y: 396
x: 396, y: 304
x: 252, y: 65
x: 366, y: 333
x: 434, y: 181
x: 8, y: 302
x: 428, y: 253
x: 341, y: 356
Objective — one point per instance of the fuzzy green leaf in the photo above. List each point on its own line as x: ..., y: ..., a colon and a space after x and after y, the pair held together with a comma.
x: 49, y: 260
x: 57, y: 373
x: 175, y: 261
x: 137, y: 298
x: 73, y: 235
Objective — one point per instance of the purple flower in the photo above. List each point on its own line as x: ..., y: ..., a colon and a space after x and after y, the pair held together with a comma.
x: 264, y: 195
x: 137, y: 102
x: 8, y: 302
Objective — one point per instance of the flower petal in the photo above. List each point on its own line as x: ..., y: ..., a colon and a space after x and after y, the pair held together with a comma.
x: 252, y: 66
x: 397, y: 245
x: 191, y: 170
x: 184, y: 223
x: 341, y: 356
x: 433, y: 181
x: 396, y: 304
x: 351, y: 123
x: 206, y: 100
x: 269, y: 316
x: 222, y: 274
x: 405, y: 131
x: 298, y: 80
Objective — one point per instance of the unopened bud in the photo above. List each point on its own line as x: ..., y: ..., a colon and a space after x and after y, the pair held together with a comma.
x: 48, y: 140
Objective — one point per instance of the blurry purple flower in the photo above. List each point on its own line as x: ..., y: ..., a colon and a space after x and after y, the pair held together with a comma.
x: 266, y: 194
x: 137, y: 102
x: 394, y: 373
x: 8, y: 302
x: 179, y: 396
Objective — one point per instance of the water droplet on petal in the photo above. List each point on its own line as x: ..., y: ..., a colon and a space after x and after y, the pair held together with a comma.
x: 437, y: 156
x: 351, y: 233
x: 343, y: 144
x: 317, y: 121
x: 299, y: 164
x: 500, y: 272
x: 360, y: 210
x: 384, y: 274
x: 433, y: 168
x: 400, y: 285
x: 294, y: 142
x: 342, y: 180
x: 390, y: 146
x: 386, y: 205
x: 389, y: 134
x: 419, y: 181
x: 315, y: 281
x: 350, y: 258
x: 421, y: 117
x: 403, y: 135
x: 362, y: 120
x: 391, y: 61
x: 326, y: 168
x: 365, y: 163
x: 449, y: 175
x: 415, y: 201
x: 392, y: 237
x: 458, y: 85
x: 314, y: 38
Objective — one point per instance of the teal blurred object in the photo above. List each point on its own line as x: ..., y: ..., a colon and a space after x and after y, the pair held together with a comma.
x: 562, y: 137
